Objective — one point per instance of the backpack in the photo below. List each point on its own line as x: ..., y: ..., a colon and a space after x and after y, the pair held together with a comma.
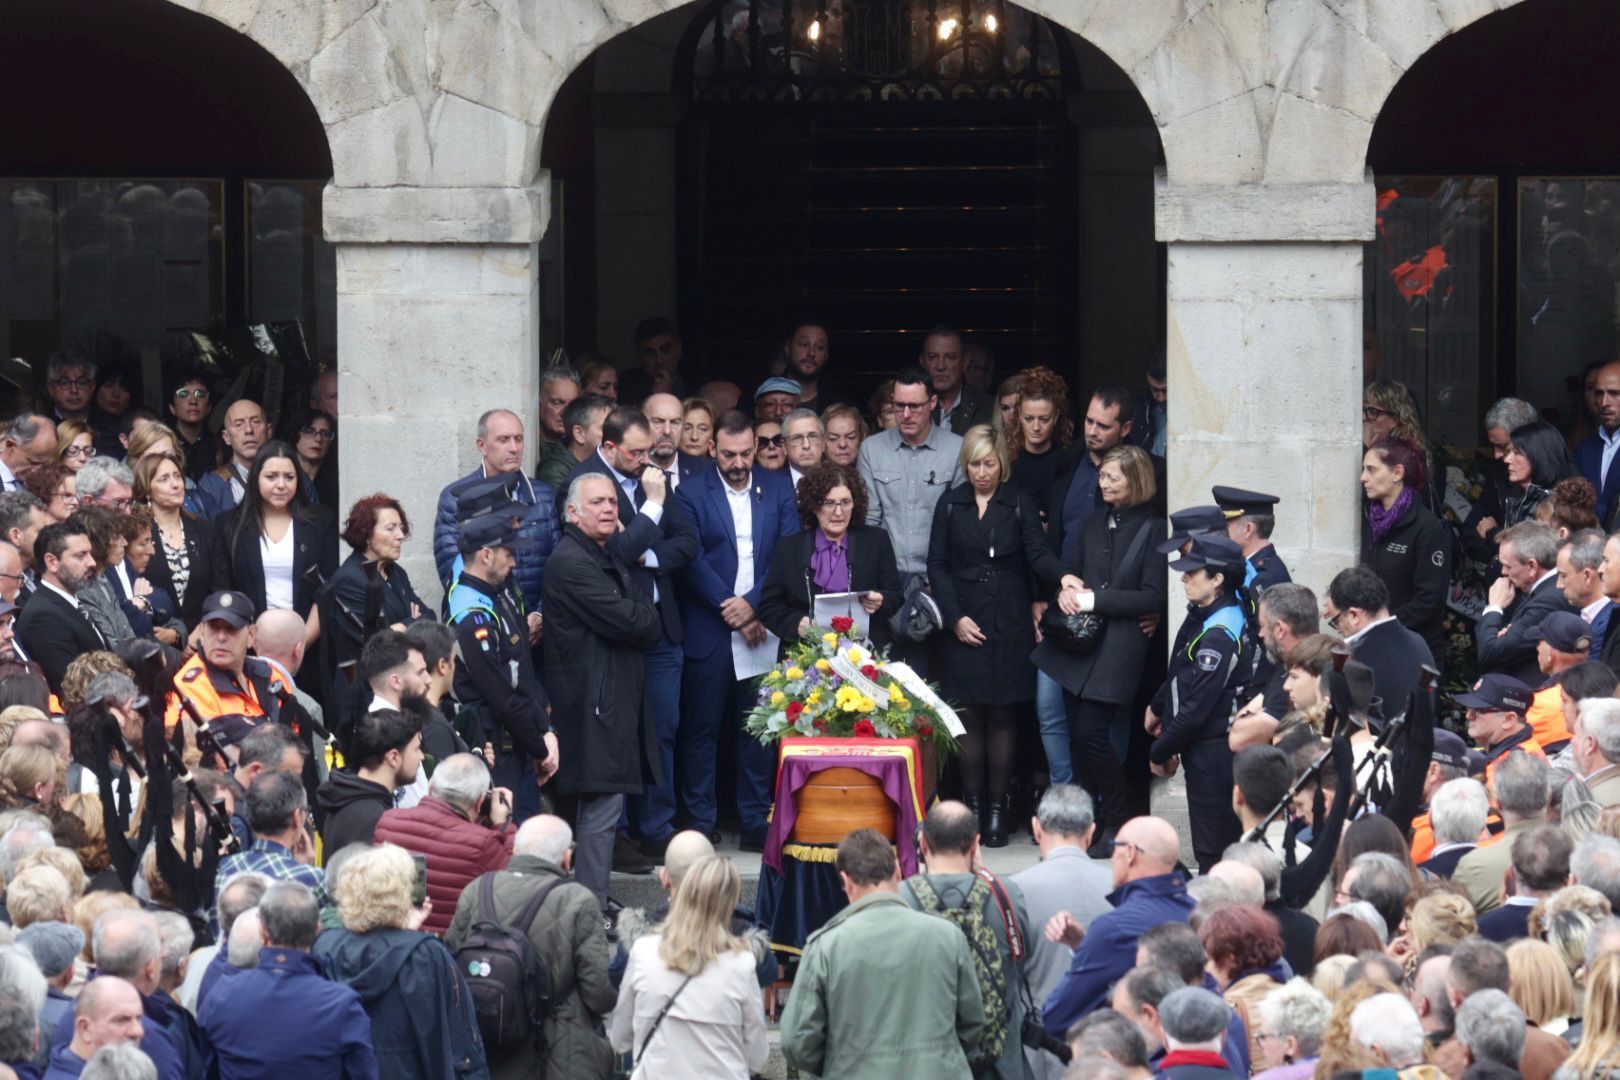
x: 987, y: 960
x: 506, y: 977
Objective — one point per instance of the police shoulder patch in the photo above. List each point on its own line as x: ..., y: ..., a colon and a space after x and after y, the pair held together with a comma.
x: 1207, y: 659
x: 477, y: 617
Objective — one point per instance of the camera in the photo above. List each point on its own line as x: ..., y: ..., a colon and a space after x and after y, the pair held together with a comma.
x: 1035, y: 1037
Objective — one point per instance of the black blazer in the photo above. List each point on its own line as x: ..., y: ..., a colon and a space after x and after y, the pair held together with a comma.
x: 1110, y: 673
x: 54, y: 634
x: 200, y: 549
x: 394, y: 595
x: 785, y: 599
x: 1396, y: 656
x: 1514, y: 653
x: 673, y: 542
x: 242, y: 567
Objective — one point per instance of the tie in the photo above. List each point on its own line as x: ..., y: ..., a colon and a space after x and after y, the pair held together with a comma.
x: 637, y: 495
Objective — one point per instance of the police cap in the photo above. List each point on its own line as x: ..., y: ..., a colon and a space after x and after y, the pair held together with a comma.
x: 1216, y: 554
x: 1188, y: 523
x: 480, y: 495
x: 231, y: 607
x: 1235, y: 502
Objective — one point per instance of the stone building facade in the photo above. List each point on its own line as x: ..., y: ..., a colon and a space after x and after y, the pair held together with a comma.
x: 435, y: 110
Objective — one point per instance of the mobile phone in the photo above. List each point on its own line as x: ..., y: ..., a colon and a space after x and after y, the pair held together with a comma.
x: 484, y: 804
x: 419, y: 887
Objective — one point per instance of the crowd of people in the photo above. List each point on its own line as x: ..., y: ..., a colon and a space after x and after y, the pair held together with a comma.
x: 266, y: 810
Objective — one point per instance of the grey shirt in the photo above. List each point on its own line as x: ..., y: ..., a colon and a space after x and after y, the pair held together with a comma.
x: 902, y: 485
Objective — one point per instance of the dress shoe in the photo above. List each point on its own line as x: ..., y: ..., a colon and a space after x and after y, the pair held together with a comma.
x: 628, y: 859
x: 995, y: 826
x: 654, y: 849
x: 1102, y: 845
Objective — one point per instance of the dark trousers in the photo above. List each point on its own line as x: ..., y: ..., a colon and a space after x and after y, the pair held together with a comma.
x: 1208, y: 764
x: 596, y: 819
x: 710, y: 695
x: 1098, y: 766
x: 514, y: 770
x: 654, y: 809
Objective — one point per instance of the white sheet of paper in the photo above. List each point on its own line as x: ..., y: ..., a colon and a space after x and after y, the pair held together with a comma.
x: 914, y: 685
x: 751, y: 660
x: 848, y: 604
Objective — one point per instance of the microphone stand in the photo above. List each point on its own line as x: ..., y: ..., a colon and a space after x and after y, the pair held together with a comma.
x: 1338, y: 705
x: 1381, y: 752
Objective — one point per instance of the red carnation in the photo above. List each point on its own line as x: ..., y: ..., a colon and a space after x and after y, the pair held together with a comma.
x: 925, y: 730
x: 819, y: 724
x: 864, y: 729
x: 794, y: 708
x: 870, y: 672
x: 842, y: 624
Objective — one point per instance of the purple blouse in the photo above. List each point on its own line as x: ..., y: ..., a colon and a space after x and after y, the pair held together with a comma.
x: 829, y: 563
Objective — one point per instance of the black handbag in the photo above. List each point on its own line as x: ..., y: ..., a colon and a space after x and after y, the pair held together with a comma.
x: 1080, y: 634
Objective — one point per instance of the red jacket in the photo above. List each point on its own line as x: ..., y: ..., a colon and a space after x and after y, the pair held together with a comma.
x: 457, y: 851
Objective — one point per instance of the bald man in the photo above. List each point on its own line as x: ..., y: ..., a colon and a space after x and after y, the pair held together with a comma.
x: 1595, y: 456
x: 1148, y: 891
x: 684, y: 851
x: 107, y: 1012
x: 280, y: 642
x: 245, y: 430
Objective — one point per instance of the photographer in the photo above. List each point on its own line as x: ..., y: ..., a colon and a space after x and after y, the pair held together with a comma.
x: 463, y: 828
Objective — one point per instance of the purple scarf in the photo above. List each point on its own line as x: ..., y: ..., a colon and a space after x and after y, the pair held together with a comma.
x: 1384, y: 521
x: 829, y: 563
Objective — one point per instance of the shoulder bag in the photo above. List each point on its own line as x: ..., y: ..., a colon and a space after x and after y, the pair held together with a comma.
x: 1080, y: 634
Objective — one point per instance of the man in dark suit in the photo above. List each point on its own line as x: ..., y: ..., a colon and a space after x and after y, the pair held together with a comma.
x: 656, y: 543
x: 1595, y: 456
x: 959, y: 406
x: 1540, y: 868
x: 1526, y: 593
x: 1580, y: 575
x: 53, y: 628
x: 740, y: 511
x: 1357, y: 606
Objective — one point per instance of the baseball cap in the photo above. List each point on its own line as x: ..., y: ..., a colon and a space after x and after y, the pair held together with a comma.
x: 1450, y: 749
x: 1185, y: 524
x: 1216, y: 554
x: 1564, y: 631
x: 1497, y: 693
x: 232, y: 607
x: 778, y: 385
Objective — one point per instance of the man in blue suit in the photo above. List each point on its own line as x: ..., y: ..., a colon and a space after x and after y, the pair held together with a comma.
x: 1595, y: 456
x: 740, y: 511
x: 656, y: 543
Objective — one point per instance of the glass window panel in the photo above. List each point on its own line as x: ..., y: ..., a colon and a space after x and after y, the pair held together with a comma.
x: 292, y: 270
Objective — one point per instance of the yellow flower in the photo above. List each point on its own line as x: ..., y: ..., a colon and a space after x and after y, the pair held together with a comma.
x: 856, y: 655
x: 814, y: 699
x: 848, y: 698
x: 823, y: 666
x: 897, y: 696
x: 794, y: 674
x: 831, y: 639
x: 778, y: 698
x: 866, y: 704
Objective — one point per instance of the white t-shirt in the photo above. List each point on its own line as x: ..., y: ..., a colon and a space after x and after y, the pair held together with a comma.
x: 278, y: 569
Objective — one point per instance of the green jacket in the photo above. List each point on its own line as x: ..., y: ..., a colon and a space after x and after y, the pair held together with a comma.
x: 569, y: 936
x: 884, y: 992
x: 556, y: 462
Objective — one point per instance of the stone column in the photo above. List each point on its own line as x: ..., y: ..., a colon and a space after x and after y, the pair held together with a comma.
x: 1265, y: 297
x: 438, y: 319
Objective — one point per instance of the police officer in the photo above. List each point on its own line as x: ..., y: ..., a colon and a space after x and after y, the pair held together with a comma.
x: 229, y: 689
x: 1250, y: 517
x: 496, y: 673
x: 1190, y: 713
x: 1191, y: 522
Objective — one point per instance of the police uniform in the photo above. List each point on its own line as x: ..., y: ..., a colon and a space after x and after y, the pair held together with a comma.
x: 1191, y: 522
x: 1261, y: 571
x: 232, y: 706
x: 495, y: 676
x: 1195, y: 704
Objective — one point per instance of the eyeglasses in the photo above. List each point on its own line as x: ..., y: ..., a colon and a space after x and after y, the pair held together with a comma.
x: 837, y: 504
x: 116, y: 504
x: 807, y: 439
x: 1126, y: 845
x: 196, y: 394
x: 73, y: 384
x: 911, y: 406
x: 13, y: 577
x: 85, y: 452
x: 769, y: 440
x: 1333, y: 619
x: 1373, y: 412
x: 66, y: 496
x: 318, y: 432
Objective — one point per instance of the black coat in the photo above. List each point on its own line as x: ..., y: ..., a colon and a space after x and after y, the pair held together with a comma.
x: 394, y: 599
x: 785, y: 599
x: 1514, y: 653
x: 981, y: 568
x: 1396, y: 656
x: 1413, y: 560
x: 598, y: 630
x: 1110, y: 673
x: 240, y: 566
x: 200, y: 551
x: 54, y: 634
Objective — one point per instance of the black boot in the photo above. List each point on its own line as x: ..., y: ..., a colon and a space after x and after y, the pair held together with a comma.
x: 974, y: 801
x: 1102, y: 843
x: 995, y: 829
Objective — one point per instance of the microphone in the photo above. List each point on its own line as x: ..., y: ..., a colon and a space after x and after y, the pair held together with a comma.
x: 810, y: 593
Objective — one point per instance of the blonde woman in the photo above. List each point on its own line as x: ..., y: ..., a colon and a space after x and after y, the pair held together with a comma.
x: 76, y: 444
x: 1440, y: 918
x: 985, y: 548
x: 422, y: 1020
x: 1540, y: 985
x: 1598, y: 1055
x: 689, y: 1002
